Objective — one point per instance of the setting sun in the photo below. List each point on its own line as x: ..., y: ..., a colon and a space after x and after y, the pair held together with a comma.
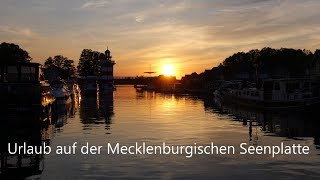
x: 168, y: 70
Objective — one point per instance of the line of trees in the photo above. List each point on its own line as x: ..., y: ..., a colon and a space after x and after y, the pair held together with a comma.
x: 255, y: 64
x: 64, y: 67
x: 269, y: 61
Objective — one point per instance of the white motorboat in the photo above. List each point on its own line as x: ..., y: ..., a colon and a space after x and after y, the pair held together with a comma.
x: 60, y: 91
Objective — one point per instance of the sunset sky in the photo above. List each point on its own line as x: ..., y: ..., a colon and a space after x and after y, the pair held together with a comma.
x: 189, y: 35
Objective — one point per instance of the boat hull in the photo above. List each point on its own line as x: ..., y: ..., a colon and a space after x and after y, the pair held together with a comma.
x: 23, y: 97
x: 263, y: 104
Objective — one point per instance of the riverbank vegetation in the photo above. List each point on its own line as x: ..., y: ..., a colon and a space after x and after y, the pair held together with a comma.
x: 257, y: 64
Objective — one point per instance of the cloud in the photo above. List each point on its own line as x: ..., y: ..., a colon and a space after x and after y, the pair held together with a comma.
x: 17, y: 31
x: 140, y: 18
x: 195, y: 34
x: 95, y: 4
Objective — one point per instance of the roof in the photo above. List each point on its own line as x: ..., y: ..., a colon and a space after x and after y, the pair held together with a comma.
x: 19, y: 64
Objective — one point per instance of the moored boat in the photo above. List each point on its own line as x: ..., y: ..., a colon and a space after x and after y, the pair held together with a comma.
x: 273, y: 94
x: 60, y: 91
x: 148, y: 87
x: 24, y: 89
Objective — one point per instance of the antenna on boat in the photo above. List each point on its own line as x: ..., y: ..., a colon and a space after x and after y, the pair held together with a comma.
x: 149, y: 72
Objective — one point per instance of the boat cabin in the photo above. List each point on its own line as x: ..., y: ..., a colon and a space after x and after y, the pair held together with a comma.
x: 276, y: 90
x: 287, y: 89
x: 20, y: 72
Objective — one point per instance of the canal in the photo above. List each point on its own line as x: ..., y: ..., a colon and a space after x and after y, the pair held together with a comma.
x: 129, y: 116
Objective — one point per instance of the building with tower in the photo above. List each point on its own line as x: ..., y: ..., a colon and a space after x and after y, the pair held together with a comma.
x: 106, y: 72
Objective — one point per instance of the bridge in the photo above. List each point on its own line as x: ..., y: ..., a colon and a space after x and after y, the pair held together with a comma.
x: 124, y: 80
x: 129, y: 80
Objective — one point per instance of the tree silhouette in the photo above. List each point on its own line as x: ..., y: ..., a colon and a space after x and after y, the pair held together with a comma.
x: 64, y: 65
x: 88, y: 63
x: 12, y: 53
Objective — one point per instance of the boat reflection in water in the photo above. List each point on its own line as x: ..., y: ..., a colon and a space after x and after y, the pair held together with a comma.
x: 97, y: 109
x: 27, y: 129
x: 20, y: 166
x: 294, y: 125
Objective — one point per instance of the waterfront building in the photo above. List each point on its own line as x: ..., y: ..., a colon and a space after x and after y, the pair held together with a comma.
x: 315, y: 65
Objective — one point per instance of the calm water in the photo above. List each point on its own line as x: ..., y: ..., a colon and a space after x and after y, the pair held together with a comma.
x: 128, y: 116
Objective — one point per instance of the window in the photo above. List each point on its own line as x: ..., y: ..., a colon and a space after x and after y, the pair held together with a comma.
x: 11, y: 74
x: 27, y: 73
x: 277, y: 86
